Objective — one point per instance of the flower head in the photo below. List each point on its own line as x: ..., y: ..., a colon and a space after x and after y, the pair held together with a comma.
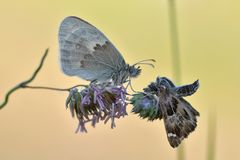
x: 146, y: 106
x: 97, y: 102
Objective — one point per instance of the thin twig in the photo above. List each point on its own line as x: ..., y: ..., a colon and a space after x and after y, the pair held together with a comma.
x: 55, y: 89
x: 24, y: 84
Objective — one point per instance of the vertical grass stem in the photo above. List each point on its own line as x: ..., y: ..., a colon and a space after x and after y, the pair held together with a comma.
x: 175, y: 56
x: 211, y: 141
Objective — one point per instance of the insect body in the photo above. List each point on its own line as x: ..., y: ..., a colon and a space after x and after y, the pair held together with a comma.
x: 162, y: 99
x: 86, y: 52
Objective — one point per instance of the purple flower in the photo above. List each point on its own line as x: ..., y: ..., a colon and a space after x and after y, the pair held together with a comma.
x: 120, y: 94
x: 85, y: 97
x: 97, y: 102
x: 98, y: 97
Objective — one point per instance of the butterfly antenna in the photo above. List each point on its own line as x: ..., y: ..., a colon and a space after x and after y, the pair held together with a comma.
x: 149, y: 64
x: 146, y: 60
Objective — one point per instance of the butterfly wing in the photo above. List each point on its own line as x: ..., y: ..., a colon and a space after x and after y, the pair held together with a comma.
x: 179, y: 119
x: 86, y: 52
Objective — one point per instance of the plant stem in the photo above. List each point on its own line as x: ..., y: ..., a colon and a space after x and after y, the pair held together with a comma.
x: 175, y: 57
x: 54, y: 89
x: 211, y: 135
x: 24, y: 84
x: 174, y: 41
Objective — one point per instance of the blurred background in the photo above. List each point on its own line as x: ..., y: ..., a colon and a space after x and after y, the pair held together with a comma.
x: 36, y: 125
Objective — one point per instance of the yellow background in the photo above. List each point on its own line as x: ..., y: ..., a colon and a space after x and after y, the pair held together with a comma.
x: 36, y: 125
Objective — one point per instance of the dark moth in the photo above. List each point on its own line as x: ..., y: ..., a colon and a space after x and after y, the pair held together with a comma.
x: 163, y: 100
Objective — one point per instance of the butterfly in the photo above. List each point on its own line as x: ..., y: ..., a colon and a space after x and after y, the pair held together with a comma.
x: 163, y: 100
x: 87, y: 53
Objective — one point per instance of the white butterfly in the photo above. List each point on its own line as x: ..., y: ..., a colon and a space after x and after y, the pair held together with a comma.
x: 86, y: 52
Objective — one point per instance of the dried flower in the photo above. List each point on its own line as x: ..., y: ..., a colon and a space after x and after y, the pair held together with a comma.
x: 97, y: 102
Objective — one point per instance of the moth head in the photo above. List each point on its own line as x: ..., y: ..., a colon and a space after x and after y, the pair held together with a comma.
x: 163, y: 84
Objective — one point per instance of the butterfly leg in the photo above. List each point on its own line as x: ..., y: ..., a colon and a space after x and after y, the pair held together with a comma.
x: 130, y: 84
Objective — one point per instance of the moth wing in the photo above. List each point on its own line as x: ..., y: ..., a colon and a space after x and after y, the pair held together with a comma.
x: 179, y: 119
x: 86, y: 52
x: 187, y: 90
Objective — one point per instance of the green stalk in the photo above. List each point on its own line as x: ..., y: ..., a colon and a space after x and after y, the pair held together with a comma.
x: 175, y: 57
x: 211, y: 135
x: 174, y: 41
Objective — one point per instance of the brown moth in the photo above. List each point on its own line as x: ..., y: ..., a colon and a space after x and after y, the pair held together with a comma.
x: 163, y: 100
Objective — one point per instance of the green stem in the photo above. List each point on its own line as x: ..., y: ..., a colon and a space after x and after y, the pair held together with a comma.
x: 174, y: 41
x: 180, y: 152
x: 175, y: 57
x: 211, y: 135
